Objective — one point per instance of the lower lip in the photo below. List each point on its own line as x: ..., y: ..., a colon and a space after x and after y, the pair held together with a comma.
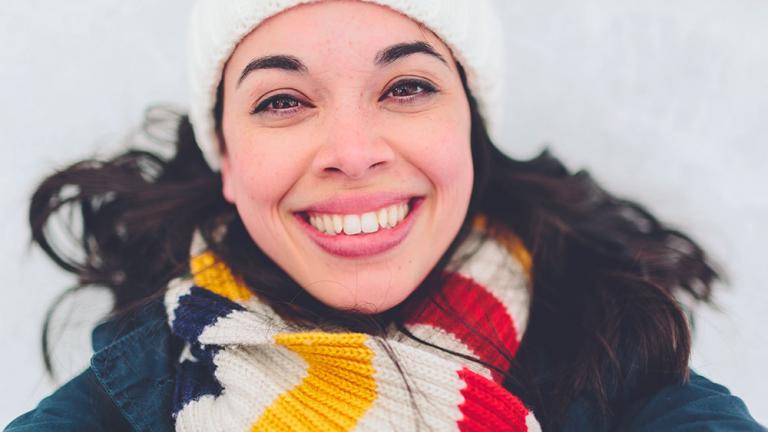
x: 363, y: 245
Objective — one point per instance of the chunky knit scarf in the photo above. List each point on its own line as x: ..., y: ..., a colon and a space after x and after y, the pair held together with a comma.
x: 245, y: 368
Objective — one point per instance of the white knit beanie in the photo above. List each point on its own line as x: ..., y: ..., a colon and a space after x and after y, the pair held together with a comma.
x: 470, y: 28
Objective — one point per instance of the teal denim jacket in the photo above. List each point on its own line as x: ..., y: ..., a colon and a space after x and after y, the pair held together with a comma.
x: 130, y: 382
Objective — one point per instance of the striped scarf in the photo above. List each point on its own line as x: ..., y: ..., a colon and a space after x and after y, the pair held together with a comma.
x: 245, y: 368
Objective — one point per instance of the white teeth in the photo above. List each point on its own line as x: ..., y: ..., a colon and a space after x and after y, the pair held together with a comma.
x: 352, y: 224
x: 338, y: 223
x: 317, y: 222
x: 328, y: 225
x: 392, y: 216
x: 381, y: 215
x: 371, y: 222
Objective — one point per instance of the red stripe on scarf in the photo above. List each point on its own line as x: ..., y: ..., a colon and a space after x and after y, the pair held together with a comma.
x: 489, y: 407
x: 475, y: 317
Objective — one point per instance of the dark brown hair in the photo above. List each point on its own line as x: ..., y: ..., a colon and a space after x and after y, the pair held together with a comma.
x: 604, y: 325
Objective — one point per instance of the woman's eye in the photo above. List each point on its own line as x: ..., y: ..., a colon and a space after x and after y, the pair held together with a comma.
x: 408, y: 90
x: 279, y: 104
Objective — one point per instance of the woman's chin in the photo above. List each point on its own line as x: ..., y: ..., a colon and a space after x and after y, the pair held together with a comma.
x: 360, y: 297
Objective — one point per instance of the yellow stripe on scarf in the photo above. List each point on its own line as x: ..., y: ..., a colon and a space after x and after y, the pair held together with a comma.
x: 338, y: 389
x: 212, y: 274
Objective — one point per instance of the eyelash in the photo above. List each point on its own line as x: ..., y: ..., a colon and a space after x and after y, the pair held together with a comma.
x: 265, y: 105
x: 426, y: 89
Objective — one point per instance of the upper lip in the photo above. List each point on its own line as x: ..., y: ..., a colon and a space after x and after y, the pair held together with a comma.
x: 357, y: 204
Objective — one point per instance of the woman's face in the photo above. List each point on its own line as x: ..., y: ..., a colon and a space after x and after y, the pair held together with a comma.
x: 347, y: 149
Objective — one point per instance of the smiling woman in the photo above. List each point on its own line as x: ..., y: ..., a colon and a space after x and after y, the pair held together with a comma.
x: 337, y: 244
x: 382, y: 130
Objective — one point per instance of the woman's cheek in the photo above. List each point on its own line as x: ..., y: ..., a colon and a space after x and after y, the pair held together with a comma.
x: 269, y: 166
x: 444, y: 153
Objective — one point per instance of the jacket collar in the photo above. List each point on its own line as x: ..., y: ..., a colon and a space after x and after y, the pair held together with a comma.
x: 133, y: 362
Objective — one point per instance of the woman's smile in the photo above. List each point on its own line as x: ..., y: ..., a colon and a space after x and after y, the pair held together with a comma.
x: 362, y: 225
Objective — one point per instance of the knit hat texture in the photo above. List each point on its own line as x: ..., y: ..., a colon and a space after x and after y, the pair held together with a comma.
x: 470, y: 28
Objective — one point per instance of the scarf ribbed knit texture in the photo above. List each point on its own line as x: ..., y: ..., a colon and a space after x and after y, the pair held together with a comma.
x: 245, y: 368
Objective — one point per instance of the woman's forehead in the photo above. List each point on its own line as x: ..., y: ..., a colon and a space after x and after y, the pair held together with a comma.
x: 349, y: 31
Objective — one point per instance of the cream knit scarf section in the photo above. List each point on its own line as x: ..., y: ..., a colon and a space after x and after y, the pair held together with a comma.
x: 245, y: 368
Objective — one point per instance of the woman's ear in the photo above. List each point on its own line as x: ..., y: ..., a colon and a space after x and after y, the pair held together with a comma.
x: 225, y: 164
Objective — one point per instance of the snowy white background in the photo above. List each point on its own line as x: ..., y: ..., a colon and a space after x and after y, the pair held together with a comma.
x: 664, y: 102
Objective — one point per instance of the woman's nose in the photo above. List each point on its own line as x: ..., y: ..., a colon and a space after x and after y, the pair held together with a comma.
x: 352, y: 147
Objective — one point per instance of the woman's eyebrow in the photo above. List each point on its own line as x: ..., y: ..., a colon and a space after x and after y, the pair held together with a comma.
x: 384, y: 57
x: 395, y: 52
x: 284, y: 62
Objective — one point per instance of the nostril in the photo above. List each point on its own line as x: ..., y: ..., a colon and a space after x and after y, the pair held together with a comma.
x: 354, y: 171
